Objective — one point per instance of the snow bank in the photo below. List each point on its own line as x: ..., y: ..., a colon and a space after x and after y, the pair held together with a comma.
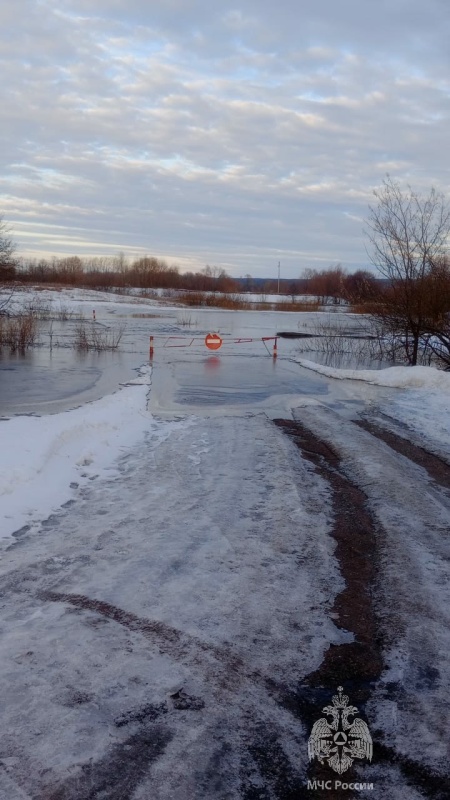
x: 395, y: 377
x: 423, y: 409
x: 41, y: 457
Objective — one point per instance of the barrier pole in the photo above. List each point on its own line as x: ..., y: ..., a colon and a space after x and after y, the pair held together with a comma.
x: 151, y: 348
x: 93, y: 314
x: 275, y: 349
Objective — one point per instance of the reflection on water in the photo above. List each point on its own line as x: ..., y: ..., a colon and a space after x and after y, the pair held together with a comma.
x: 193, y: 385
x: 42, y: 380
x: 346, y: 360
x: 213, y: 363
x: 45, y: 381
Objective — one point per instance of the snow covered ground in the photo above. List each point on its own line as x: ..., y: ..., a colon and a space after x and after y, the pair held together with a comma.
x: 43, y: 458
x: 422, y: 408
x: 168, y: 585
x: 194, y: 553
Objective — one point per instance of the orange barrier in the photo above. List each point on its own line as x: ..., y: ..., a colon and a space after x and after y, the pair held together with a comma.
x: 213, y: 341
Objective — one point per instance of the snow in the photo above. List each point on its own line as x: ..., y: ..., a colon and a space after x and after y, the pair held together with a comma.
x: 193, y: 553
x: 21, y: 295
x: 396, y: 377
x: 422, y: 409
x: 227, y: 599
x: 413, y: 592
x: 261, y: 297
x: 41, y: 457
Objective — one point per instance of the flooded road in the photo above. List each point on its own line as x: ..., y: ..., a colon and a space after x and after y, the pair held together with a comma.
x: 187, y: 377
x: 239, y: 384
x: 174, y: 627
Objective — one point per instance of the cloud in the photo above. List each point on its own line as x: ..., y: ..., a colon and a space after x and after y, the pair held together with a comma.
x: 227, y: 132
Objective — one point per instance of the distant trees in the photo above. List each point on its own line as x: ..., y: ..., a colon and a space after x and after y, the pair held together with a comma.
x: 408, y: 235
x: 335, y: 285
x: 360, y: 287
x: 151, y: 273
x: 326, y: 284
x: 145, y: 272
x: 7, y: 263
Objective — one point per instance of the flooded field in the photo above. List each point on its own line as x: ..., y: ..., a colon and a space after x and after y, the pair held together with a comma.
x: 54, y: 376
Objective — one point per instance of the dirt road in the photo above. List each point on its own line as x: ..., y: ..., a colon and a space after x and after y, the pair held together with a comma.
x: 176, y: 631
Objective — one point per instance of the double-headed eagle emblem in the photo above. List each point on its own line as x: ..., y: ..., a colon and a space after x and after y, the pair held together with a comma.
x: 340, y: 741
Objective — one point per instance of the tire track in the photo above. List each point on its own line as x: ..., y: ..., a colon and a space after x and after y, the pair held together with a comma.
x: 224, y: 672
x: 223, y: 667
x: 262, y: 748
x: 117, y: 775
x: 357, y: 665
x: 437, y: 468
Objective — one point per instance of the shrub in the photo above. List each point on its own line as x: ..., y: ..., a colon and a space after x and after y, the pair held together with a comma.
x: 92, y: 336
x: 18, y: 333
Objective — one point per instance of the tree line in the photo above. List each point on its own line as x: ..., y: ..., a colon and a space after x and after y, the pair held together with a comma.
x: 408, y: 238
x: 329, y: 285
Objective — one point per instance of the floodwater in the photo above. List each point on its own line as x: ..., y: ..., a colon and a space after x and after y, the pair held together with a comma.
x: 187, y: 377
x: 231, y: 384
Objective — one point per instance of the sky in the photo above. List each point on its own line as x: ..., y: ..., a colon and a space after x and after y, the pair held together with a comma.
x: 235, y: 134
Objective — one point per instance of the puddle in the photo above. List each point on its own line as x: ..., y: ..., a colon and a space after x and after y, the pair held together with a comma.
x: 240, y: 380
x: 252, y: 382
x: 43, y: 382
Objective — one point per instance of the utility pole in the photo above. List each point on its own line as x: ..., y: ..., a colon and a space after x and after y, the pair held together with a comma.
x: 278, y: 277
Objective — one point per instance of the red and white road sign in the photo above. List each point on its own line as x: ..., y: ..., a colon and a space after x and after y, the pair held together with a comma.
x: 213, y: 341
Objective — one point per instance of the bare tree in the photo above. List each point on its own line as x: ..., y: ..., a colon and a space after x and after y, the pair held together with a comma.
x: 360, y: 287
x: 327, y: 285
x: 408, y: 235
x: 437, y: 342
x: 7, y: 250
x: 7, y: 263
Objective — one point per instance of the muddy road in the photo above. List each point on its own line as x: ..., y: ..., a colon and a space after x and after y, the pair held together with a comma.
x: 176, y: 631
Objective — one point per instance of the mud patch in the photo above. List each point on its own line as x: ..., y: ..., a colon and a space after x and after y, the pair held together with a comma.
x: 149, y: 712
x: 178, y: 701
x: 272, y: 766
x: 75, y: 697
x: 355, y: 665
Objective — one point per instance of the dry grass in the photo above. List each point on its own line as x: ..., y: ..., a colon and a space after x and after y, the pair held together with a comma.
x: 91, y: 336
x: 38, y: 308
x: 185, y: 320
x: 231, y: 302
x: 361, y: 308
x: 18, y: 333
x: 290, y: 305
x: 234, y: 302
x: 63, y: 312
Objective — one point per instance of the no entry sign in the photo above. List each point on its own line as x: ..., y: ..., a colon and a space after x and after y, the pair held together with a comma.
x: 213, y: 341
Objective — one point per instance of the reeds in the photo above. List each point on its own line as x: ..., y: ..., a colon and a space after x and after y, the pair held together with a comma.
x: 230, y: 302
x: 92, y: 336
x: 235, y: 302
x: 293, y: 305
x: 18, y: 333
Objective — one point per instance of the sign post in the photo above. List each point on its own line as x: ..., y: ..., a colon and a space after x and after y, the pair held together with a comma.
x: 213, y: 341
